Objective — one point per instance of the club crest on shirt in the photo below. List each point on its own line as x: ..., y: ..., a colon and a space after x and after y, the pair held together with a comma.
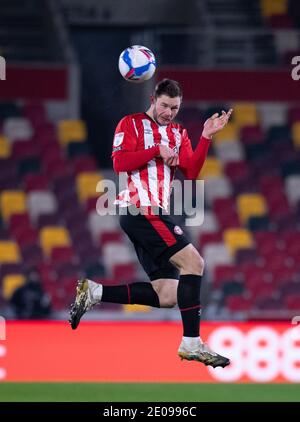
x: 177, y: 230
x: 118, y: 139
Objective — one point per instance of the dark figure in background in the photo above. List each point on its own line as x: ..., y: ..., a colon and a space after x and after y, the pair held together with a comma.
x: 30, y: 301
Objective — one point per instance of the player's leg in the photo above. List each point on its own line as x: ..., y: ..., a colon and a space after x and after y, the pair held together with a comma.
x: 161, y: 292
x: 155, y: 294
x: 191, y: 266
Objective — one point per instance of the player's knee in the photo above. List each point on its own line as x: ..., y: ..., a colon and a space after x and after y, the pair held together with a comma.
x: 199, y: 264
x: 194, y: 263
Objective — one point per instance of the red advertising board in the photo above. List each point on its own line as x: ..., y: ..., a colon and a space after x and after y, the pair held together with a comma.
x: 146, y: 352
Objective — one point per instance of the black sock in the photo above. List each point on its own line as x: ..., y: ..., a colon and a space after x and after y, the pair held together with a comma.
x: 188, y: 297
x: 134, y: 293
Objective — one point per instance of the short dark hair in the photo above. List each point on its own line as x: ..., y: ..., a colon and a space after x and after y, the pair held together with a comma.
x: 168, y: 87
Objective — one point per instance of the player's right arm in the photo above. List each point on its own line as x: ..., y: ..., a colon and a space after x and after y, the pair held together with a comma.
x: 125, y: 155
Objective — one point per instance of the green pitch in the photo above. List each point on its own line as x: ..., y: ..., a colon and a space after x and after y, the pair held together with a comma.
x: 139, y: 392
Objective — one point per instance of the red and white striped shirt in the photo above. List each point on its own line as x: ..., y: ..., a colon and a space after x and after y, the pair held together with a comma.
x: 136, y: 151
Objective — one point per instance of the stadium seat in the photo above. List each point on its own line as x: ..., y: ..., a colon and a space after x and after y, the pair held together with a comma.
x: 237, y: 170
x: 237, y: 238
x: 245, y: 114
x: 22, y: 150
x: 10, y: 268
x: 229, y: 133
x: 239, y: 303
x: 210, y: 226
x: 284, y: 275
x: 215, y: 254
x: 110, y: 236
x: 124, y: 272
x: 71, y: 131
x: 280, y: 22
x: 84, y: 164
x: 292, y: 185
x: 258, y: 223
x: 209, y: 238
x: 114, y: 254
x: 278, y: 134
x: 267, y: 303
x: 292, y: 302
x: 252, y: 135
x: 36, y: 113
x: 216, y: 187
x: 49, y: 219
x: 66, y: 269
x: 250, y: 205
x: 255, y: 151
x: 271, y: 7
x: 229, y: 151
x: 270, y: 184
x: 26, y: 236
x: 91, y: 204
x: 9, y: 109
x: 211, y: 168
x: 57, y: 169
x: 267, y: 242
x: 32, y: 255
x: 36, y: 182
x: 41, y: 202
x: 5, y: 147
x: 94, y: 269
x: 12, y: 202
x: 223, y: 274
x: 78, y: 149
x: 18, y: 222
x: 225, y: 210
x: 51, y: 153
x: 17, y: 129
x: 52, y: 236
x: 86, y: 184
x: 10, y: 283
x: 62, y: 254
x: 29, y: 165
x: 99, y: 224
x: 272, y: 114
x: 246, y: 255
x: 9, y: 252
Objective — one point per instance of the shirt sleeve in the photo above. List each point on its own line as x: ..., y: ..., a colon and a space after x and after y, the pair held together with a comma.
x: 125, y: 138
x: 191, y: 162
x: 125, y: 157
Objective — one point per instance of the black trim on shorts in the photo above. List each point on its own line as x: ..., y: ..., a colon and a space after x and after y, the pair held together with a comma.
x: 172, y: 250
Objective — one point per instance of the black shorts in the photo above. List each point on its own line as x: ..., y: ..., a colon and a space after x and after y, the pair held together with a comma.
x: 155, y: 238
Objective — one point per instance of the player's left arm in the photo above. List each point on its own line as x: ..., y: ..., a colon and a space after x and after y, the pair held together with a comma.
x: 191, y: 162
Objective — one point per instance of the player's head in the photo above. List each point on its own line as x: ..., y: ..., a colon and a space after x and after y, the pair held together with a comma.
x: 166, y: 101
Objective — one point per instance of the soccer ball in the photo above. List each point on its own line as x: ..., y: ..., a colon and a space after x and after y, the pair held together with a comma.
x: 137, y: 64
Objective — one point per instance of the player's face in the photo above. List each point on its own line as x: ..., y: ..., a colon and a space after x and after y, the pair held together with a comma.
x: 165, y: 109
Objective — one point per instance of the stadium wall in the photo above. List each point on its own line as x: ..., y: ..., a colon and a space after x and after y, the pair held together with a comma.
x: 238, y: 85
x: 146, y: 352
